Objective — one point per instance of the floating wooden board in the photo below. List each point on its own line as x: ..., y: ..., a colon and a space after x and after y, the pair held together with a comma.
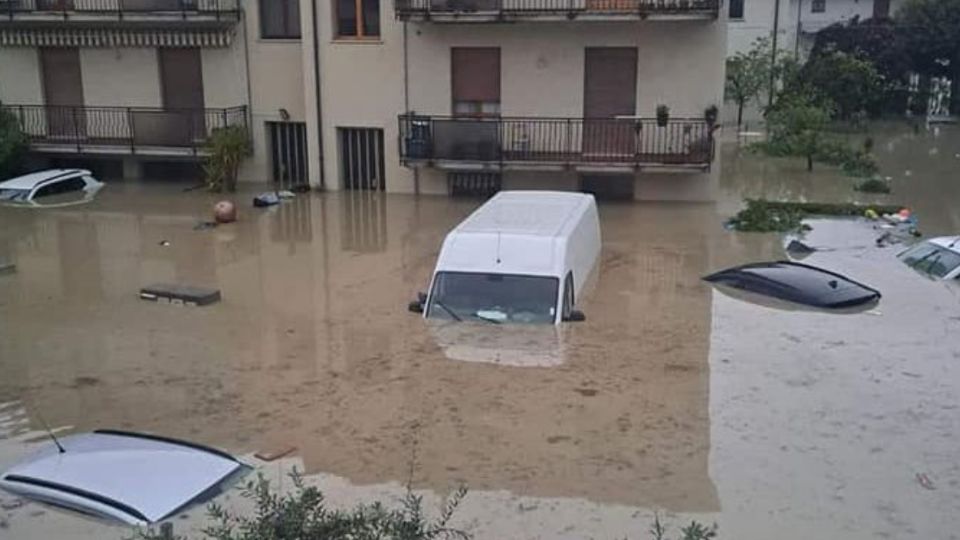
x: 180, y: 294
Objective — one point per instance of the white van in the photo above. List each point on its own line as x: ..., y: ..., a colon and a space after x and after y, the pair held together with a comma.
x: 523, y: 257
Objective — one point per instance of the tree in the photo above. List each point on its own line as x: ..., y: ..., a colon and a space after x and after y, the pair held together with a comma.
x: 748, y: 74
x: 881, y: 42
x: 932, y: 32
x: 852, y: 84
x: 797, y: 124
x: 227, y: 148
x: 13, y: 144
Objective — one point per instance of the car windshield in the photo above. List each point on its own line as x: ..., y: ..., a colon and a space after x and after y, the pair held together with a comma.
x: 495, y: 298
x: 931, y: 259
x: 14, y: 195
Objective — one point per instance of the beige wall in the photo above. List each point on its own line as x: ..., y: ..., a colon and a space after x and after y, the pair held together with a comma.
x: 276, y: 82
x: 20, y: 76
x: 542, y: 66
x: 121, y: 77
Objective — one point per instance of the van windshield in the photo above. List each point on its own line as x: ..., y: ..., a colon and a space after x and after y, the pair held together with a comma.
x: 495, y: 298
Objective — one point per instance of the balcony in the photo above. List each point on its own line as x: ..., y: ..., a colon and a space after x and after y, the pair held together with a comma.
x: 466, y: 11
x: 99, y: 13
x: 615, y: 144
x: 123, y: 130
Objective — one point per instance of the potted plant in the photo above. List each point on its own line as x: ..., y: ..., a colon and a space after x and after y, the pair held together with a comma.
x: 663, y: 115
x: 710, y: 114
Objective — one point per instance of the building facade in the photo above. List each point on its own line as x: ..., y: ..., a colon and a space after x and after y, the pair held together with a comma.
x: 797, y: 21
x: 417, y: 96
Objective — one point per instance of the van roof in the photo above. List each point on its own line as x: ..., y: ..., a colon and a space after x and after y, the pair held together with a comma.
x: 515, y: 232
x: 526, y: 213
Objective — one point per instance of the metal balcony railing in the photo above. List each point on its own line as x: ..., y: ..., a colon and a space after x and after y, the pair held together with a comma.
x: 119, y: 8
x: 634, y: 142
x: 506, y: 9
x: 126, y: 129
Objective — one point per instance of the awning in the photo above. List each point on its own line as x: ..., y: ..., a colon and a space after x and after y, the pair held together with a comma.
x: 114, y: 37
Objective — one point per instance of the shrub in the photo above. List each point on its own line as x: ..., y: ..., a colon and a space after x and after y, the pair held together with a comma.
x: 13, y: 144
x: 303, y: 515
x: 776, y: 216
x: 873, y: 185
x: 227, y: 147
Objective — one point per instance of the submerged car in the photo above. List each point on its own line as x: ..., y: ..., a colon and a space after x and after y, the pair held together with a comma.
x: 797, y: 283
x: 937, y: 258
x: 51, y: 188
x: 132, y: 478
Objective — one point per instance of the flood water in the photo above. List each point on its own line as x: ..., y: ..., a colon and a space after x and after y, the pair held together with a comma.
x: 671, y: 397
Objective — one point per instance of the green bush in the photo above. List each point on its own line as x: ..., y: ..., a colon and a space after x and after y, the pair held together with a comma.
x: 303, y: 515
x: 226, y: 147
x: 13, y: 144
x: 775, y: 216
x: 873, y: 185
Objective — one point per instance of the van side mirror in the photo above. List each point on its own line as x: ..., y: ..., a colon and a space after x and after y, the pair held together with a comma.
x: 417, y: 305
x: 575, y: 316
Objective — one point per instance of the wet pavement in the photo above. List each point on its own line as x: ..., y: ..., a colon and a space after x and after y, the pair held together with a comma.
x: 773, y: 423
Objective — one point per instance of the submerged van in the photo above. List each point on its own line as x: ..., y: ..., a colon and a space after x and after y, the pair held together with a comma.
x: 523, y: 257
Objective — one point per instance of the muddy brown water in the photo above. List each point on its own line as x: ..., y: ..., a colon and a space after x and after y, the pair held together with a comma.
x: 670, y: 396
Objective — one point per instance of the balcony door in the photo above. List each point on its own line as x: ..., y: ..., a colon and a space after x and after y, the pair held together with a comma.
x: 610, y: 91
x: 182, y: 121
x: 473, y: 134
x: 63, y: 92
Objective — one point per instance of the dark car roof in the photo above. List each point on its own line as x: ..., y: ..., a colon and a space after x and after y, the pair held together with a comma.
x: 799, y: 283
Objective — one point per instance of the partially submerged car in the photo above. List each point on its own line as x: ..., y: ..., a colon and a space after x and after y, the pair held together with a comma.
x: 936, y: 258
x: 797, y: 283
x: 51, y: 188
x: 133, y: 478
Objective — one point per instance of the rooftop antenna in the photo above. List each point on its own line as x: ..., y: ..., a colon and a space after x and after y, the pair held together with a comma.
x: 498, y: 246
x: 50, y: 433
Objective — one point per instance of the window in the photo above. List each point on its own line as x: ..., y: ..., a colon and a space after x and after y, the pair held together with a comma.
x: 736, y: 9
x: 818, y: 6
x: 65, y: 186
x: 476, y: 81
x: 358, y: 19
x: 496, y: 298
x: 280, y: 19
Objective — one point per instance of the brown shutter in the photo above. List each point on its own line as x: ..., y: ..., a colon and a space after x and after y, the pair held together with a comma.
x: 476, y: 74
x: 610, y: 86
x: 181, y: 76
x: 62, y: 81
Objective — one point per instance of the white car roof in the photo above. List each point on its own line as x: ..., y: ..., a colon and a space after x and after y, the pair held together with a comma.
x: 29, y: 181
x: 140, y: 478
x: 947, y: 242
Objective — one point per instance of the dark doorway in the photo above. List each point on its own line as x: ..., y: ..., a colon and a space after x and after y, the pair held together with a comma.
x: 63, y: 92
x: 610, y: 91
x: 181, y: 86
x: 361, y: 158
x: 610, y: 187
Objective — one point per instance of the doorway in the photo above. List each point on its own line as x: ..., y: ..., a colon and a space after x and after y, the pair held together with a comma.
x: 610, y: 91
x: 181, y: 89
x: 63, y: 92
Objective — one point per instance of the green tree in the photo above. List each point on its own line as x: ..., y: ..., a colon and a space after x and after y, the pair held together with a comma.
x: 852, y: 84
x: 748, y: 73
x: 13, y: 144
x: 226, y: 148
x: 932, y: 31
x: 798, y: 124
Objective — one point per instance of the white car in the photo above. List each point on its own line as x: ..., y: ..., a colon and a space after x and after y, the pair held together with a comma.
x: 937, y: 258
x: 132, y: 478
x: 51, y: 188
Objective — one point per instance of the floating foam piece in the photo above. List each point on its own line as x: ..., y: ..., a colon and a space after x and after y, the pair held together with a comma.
x: 180, y: 294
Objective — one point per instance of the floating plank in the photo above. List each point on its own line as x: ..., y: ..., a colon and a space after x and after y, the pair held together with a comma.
x: 7, y: 267
x: 180, y: 294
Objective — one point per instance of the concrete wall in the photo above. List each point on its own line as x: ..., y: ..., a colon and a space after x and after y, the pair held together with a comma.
x: 20, y: 76
x: 542, y: 74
